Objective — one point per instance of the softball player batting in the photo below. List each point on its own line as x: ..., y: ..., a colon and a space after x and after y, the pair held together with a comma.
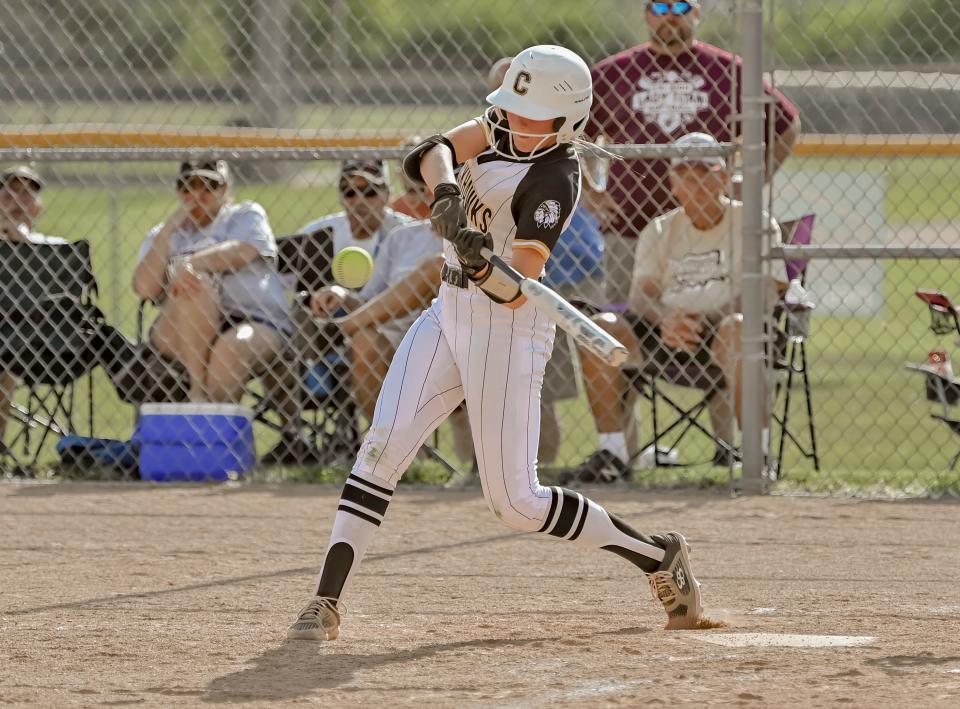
x: 481, y: 341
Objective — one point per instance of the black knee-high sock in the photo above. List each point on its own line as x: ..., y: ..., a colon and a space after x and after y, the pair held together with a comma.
x: 578, y: 519
x: 363, y: 505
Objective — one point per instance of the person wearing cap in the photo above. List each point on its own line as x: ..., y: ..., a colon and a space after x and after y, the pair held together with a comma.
x: 20, y: 207
x: 211, y: 269
x: 363, y: 188
x: 683, y: 308
x: 654, y: 93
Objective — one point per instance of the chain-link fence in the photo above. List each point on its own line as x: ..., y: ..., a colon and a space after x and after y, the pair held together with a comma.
x: 206, y: 287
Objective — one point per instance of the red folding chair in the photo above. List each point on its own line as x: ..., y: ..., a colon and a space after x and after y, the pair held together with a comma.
x: 940, y: 384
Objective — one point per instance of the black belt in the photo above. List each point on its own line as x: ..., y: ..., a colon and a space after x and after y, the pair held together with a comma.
x: 454, y: 276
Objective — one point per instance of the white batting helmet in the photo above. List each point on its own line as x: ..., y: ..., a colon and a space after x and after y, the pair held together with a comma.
x: 545, y: 82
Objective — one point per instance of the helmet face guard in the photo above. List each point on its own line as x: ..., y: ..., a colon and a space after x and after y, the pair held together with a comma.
x: 544, y: 82
x: 495, y: 120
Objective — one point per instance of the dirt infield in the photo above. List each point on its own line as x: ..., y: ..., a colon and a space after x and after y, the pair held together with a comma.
x: 129, y: 595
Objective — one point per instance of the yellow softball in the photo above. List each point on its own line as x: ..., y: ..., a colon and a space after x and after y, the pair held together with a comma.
x: 352, y: 267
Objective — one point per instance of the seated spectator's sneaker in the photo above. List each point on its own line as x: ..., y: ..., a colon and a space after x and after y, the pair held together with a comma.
x: 601, y: 467
x: 292, y: 449
x: 319, y: 620
x: 674, y: 585
x: 725, y: 457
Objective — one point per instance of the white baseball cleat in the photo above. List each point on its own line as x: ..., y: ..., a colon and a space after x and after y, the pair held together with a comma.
x: 674, y: 585
x: 319, y: 620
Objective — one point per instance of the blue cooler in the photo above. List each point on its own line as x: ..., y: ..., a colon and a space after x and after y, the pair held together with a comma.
x: 195, y: 441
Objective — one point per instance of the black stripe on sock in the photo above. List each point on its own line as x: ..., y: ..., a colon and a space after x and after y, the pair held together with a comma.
x: 365, y: 499
x: 336, y: 569
x: 361, y: 515
x: 369, y: 484
x: 568, y: 514
x: 645, y: 563
x: 553, y: 508
x: 583, y: 518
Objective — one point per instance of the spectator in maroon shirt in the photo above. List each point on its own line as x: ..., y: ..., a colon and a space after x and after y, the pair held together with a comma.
x: 654, y: 93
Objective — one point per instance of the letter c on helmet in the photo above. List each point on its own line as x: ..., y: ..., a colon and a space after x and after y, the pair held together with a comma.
x: 520, y: 83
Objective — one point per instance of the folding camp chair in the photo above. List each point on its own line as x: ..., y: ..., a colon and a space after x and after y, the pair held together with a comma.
x: 646, y: 381
x: 941, y: 386
x: 322, y: 365
x: 711, y: 381
x: 321, y: 371
x: 794, y: 325
x: 708, y: 379
x: 48, y: 341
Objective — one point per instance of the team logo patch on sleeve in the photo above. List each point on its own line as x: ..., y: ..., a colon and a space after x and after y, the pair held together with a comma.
x: 547, y: 214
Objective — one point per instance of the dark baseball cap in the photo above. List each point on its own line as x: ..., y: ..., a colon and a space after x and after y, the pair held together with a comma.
x: 373, y: 171
x: 213, y: 170
x: 24, y: 173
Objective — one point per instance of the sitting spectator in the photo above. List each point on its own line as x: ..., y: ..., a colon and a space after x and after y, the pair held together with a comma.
x: 405, y: 279
x: 211, y: 269
x: 364, y: 192
x: 683, y: 308
x: 363, y: 188
x: 20, y: 207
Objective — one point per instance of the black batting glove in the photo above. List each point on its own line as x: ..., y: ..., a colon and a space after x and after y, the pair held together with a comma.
x: 468, y: 243
x: 447, y: 213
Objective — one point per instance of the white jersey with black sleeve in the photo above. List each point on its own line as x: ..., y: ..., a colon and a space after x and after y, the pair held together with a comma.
x: 521, y: 204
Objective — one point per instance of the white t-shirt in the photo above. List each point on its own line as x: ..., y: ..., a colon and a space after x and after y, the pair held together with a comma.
x: 697, y: 270
x: 255, y: 290
x: 343, y: 237
x: 401, y: 252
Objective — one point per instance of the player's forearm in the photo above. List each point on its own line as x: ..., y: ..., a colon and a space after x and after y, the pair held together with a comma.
x: 529, y: 263
x: 436, y: 167
x: 224, y: 258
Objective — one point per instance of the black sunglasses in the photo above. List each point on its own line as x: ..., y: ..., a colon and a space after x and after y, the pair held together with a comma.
x: 348, y: 191
x: 197, y: 184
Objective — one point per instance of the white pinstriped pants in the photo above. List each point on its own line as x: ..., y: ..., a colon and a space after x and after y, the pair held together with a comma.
x: 466, y: 347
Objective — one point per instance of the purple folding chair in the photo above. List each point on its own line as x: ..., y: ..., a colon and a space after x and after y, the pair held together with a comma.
x: 794, y: 325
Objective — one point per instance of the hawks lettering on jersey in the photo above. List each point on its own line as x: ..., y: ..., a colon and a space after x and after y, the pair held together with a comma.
x: 478, y: 213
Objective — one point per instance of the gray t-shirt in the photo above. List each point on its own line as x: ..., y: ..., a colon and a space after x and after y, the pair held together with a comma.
x: 255, y: 291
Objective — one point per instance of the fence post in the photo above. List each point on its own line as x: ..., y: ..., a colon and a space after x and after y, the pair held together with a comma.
x: 271, y: 70
x: 753, y: 403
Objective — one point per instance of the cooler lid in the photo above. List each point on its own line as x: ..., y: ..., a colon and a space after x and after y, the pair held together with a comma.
x: 167, y: 409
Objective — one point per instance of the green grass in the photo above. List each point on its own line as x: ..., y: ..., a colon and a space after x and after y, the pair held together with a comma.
x: 872, y: 420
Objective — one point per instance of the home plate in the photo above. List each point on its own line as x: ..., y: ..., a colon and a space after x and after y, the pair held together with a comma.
x: 784, y: 640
